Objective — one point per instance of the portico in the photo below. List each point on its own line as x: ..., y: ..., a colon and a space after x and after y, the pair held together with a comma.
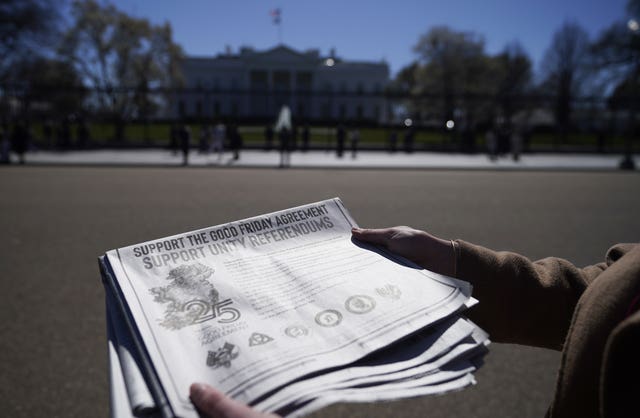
x: 257, y: 83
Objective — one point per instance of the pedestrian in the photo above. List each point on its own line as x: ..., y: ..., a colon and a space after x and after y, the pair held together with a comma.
x: 174, y: 138
x: 285, y: 147
x: 82, y: 133
x: 205, y: 139
x: 47, y: 133
x: 64, y: 134
x: 516, y: 145
x: 5, y: 144
x: 294, y: 138
x: 504, y: 139
x: 283, y: 128
x: 354, y: 139
x: 185, y: 143
x: 409, y: 135
x: 20, y: 140
x: 393, y: 141
x: 492, y: 144
x: 340, y: 134
x: 219, y: 138
x: 268, y: 137
x: 600, y: 139
x: 305, y: 138
x: 235, y: 139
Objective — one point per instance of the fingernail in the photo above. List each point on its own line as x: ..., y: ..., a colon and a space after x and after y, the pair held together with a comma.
x: 356, y: 229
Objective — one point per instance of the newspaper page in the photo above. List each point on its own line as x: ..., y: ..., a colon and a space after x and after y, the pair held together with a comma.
x: 409, y: 357
x: 140, y: 401
x: 119, y: 404
x: 251, y: 305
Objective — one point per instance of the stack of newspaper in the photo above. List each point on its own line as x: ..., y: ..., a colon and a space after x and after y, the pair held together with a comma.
x: 285, y: 312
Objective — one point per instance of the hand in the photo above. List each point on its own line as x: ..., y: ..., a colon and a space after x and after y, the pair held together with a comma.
x: 212, y: 403
x: 429, y: 252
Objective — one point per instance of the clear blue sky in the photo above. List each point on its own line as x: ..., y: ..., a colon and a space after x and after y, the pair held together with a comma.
x: 369, y: 30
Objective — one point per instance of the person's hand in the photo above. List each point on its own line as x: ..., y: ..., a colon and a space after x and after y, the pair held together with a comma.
x: 429, y: 252
x: 212, y: 403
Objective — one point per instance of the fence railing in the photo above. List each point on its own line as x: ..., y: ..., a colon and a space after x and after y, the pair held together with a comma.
x: 56, y: 118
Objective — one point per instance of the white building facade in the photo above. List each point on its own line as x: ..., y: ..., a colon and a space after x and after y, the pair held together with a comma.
x: 256, y: 84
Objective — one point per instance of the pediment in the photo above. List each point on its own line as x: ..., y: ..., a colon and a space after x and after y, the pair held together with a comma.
x: 282, y: 55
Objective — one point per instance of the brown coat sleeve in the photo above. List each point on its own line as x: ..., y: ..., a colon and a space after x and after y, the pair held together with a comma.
x: 521, y: 301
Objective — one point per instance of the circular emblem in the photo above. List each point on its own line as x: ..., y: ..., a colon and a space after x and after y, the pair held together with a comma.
x: 328, y: 318
x: 360, y: 304
x: 296, y: 331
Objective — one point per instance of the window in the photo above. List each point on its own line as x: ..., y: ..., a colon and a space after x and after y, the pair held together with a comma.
x: 303, y: 81
x: 281, y: 80
x: 259, y: 80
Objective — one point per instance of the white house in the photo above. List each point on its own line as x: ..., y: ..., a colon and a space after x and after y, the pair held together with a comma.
x: 255, y: 84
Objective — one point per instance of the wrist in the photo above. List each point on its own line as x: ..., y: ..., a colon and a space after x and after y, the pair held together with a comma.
x: 446, y: 261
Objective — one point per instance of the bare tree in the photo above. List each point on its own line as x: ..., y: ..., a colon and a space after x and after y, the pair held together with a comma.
x: 513, y: 78
x: 122, y: 58
x: 566, y: 67
x: 452, y: 66
x: 27, y: 27
x: 617, y: 55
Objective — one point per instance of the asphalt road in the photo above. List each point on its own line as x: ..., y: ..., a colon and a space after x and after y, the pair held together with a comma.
x: 56, y: 221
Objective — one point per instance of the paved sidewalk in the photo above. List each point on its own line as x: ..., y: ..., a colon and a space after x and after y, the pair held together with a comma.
x: 325, y: 159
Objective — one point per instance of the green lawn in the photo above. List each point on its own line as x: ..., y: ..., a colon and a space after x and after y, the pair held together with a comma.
x: 157, y: 134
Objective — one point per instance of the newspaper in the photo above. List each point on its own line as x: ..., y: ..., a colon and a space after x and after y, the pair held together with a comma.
x: 283, y: 311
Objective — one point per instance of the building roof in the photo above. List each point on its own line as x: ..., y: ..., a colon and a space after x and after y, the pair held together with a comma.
x: 283, y: 54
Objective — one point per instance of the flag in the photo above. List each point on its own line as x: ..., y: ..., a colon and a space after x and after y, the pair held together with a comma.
x: 275, y: 15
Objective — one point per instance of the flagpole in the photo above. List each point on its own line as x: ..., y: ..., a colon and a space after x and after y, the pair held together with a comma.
x: 276, y: 15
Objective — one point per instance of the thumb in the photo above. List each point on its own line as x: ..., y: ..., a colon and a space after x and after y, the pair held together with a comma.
x: 207, y: 399
x: 211, y: 403
x: 373, y: 236
x: 214, y: 404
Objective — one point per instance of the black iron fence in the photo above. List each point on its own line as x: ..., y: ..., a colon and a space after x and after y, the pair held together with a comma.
x: 71, y: 118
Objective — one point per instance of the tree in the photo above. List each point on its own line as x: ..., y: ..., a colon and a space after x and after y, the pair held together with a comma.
x: 405, y: 81
x: 566, y: 67
x: 26, y: 29
x: 512, y: 78
x: 617, y: 54
x: 54, y: 84
x: 402, y: 86
x: 452, y: 68
x: 123, y: 59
